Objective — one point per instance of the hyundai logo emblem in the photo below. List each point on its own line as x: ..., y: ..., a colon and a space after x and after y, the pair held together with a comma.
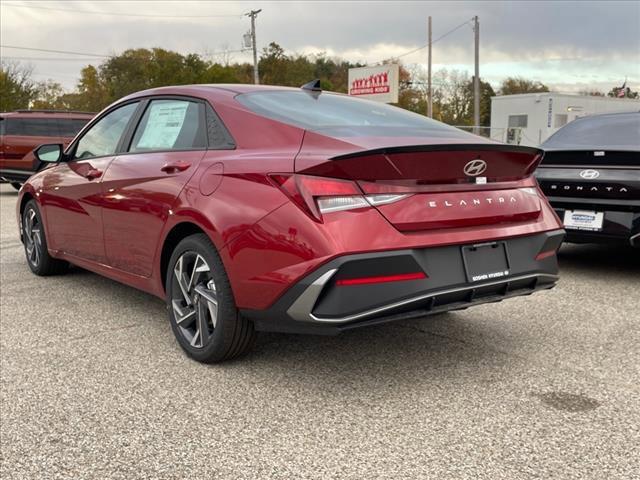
x: 475, y: 167
x: 589, y: 174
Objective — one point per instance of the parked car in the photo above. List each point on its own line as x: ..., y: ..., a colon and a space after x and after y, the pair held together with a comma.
x: 24, y: 130
x: 591, y: 175
x: 292, y: 210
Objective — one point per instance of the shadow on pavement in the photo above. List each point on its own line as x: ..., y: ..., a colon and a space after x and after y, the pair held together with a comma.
x: 600, y: 258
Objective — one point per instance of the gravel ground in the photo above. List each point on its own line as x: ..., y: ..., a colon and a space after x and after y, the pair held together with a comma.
x: 94, y: 386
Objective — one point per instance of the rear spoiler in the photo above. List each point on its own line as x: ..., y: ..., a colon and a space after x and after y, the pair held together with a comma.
x: 445, y: 147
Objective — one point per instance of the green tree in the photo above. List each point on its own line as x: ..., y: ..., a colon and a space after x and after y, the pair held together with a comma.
x: 486, y: 92
x: 516, y: 85
x: 278, y: 68
x: 17, y: 88
x: 49, y: 96
x: 591, y: 93
x: 273, y: 65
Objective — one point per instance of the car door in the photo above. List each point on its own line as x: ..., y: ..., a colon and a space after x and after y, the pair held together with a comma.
x: 71, y: 194
x: 142, y: 184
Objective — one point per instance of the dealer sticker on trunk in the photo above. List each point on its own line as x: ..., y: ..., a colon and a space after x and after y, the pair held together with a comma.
x: 583, y: 220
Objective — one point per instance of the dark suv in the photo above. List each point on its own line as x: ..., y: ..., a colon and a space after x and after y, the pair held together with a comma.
x: 24, y: 130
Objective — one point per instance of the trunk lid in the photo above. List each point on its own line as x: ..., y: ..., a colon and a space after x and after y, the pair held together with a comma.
x: 435, y: 185
x: 591, y: 174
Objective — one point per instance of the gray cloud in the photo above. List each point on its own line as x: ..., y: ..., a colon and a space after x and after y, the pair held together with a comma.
x: 584, y: 35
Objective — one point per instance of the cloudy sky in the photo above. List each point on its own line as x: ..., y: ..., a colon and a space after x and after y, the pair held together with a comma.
x: 568, y: 45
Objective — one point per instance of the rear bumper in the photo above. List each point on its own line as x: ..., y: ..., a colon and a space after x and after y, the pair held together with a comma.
x: 619, y: 226
x: 318, y: 304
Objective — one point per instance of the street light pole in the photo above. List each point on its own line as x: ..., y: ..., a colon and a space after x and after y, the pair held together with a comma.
x: 253, y: 14
x: 429, y: 92
x: 476, y: 78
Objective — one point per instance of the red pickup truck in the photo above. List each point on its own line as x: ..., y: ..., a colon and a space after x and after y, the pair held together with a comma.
x: 24, y: 130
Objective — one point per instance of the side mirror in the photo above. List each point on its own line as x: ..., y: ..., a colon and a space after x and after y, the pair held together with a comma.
x: 50, y: 153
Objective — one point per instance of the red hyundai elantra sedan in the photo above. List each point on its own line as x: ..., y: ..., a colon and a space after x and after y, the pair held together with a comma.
x: 293, y: 210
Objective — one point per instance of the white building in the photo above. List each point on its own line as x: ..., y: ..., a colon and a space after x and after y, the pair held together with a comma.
x: 530, y: 118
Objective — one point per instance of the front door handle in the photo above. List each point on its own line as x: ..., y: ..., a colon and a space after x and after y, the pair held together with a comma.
x: 172, y: 167
x: 93, y: 173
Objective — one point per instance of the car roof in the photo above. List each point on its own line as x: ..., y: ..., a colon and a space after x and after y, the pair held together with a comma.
x: 208, y: 90
x: 598, y: 116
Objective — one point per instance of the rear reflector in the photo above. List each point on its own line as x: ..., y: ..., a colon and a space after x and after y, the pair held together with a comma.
x: 402, y: 277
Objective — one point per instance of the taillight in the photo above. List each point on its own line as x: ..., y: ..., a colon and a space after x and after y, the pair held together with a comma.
x: 336, y: 204
x: 385, y: 198
x: 321, y: 195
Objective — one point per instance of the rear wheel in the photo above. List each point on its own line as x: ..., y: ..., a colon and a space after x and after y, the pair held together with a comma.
x: 202, y: 310
x: 35, y: 243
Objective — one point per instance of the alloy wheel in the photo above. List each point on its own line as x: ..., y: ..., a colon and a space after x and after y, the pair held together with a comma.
x: 33, y: 237
x: 194, y: 299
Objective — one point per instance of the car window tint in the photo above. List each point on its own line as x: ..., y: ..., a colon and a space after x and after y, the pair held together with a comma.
x: 170, y: 125
x: 599, y: 132
x: 69, y: 127
x: 218, y: 135
x: 103, y: 137
x: 32, y: 127
x: 342, y: 115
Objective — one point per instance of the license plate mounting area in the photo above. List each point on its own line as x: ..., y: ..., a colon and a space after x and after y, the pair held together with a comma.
x: 486, y: 261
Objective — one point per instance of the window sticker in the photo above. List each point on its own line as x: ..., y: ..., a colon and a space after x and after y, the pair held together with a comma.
x: 164, y: 124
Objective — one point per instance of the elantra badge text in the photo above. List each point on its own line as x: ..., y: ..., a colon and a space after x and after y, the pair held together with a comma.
x: 475, y: 201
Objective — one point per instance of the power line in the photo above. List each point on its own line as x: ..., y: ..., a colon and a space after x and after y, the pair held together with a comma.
x: 55, y: 51
x: 223, y: 52
x: 50, y: 59
x: 90, y: 12
x: 426, y: 45
x: 94, y: 55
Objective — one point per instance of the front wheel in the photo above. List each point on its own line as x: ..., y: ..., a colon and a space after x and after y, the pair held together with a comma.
x: 35, y: 243
x: 202, y: 310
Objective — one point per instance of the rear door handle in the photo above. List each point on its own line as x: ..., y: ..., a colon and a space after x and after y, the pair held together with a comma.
x: 172, y: 167
x: 93, y: 173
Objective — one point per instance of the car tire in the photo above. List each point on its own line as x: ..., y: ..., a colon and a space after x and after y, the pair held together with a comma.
x: 16, y: 185
x: 35, y: 244
x: 202, y: 309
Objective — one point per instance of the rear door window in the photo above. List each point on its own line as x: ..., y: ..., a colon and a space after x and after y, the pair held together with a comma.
x: 170, y: 125
x: 69, y: 127
x: 32, y: 127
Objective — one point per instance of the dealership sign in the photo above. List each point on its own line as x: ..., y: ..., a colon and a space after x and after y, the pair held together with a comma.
x: 375, y: 83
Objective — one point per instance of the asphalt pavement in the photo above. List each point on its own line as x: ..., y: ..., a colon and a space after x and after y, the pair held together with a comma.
x: 94, y: 386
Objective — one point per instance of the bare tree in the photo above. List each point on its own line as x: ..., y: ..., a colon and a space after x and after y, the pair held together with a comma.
x: 17, y: 89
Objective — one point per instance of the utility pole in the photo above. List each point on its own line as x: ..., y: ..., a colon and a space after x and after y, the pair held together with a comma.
x: 253, y: 14
x: 429, y: 92
x: 476, y: 78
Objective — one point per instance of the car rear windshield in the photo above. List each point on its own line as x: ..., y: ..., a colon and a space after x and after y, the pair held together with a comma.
x: 42, y: 127
x: 600, y: 132
x: 342, y: 115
